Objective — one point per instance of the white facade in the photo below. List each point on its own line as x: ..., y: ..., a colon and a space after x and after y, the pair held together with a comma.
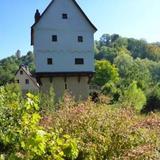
x: 26, y: 81
x: 67, y: 48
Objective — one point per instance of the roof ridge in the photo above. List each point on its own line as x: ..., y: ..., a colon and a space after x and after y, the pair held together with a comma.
x: 76, y: 4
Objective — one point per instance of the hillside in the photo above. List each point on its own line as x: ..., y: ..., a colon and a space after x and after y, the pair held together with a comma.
x: 10, y: 65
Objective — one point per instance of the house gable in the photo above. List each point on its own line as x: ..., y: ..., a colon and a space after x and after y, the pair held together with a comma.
x: 25, y: 80
x: 51, y: 18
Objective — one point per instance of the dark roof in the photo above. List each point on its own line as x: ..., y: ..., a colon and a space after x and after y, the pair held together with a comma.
x: 76, y: 4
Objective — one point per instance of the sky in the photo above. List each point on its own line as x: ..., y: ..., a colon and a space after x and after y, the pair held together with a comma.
x: 128, y: 18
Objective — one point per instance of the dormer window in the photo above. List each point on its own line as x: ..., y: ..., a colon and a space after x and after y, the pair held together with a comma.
x: 54, y: 38
x: 21, y: 72
x: 49, y: 61
x: 80, y: 39
x: 64, y: 16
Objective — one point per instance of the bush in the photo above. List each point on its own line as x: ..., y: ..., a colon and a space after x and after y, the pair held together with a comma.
x: 78, y: 130
x: 107, y: 133
x: 22, y: 136
x: 153, y: 100
x: 133, y: 97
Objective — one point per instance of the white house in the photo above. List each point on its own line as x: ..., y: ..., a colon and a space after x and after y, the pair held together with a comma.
x: 63, y: 40
x: 25, y: 80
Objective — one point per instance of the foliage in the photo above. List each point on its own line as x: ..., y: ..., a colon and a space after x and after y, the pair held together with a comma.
x: 153, y: 99
x: 10, y: 65
x: 109, y: 133
x: 47, y: 101
x: 77, y: 130
x: 105, y: 72
x: 106, y: 53
x: 22, y: 136
x: 123, y: 62
x: 133, y: 97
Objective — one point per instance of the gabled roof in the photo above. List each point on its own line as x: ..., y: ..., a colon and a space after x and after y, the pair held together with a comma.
x: 76, y: 4
x: 28, y: 74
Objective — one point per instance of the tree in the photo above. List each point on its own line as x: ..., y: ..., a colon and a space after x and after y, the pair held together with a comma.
x: 139, y: 72
x: 133, y: 97
x: 18, y: 54
x: 105, y: 40
x: 120, y: 43
x: 114, y: 37
x: 137, y: 47
x: 106, y: 53
x: 123, y: 62
x: 105, y: 72
x: 153, y: 52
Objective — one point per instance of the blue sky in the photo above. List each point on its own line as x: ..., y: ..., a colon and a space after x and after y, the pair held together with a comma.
x: 129, y: 18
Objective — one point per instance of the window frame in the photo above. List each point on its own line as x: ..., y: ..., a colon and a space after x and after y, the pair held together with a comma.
x: 49, y: 61
x: 21, y: 72
x: 79, y: 61
x: 54, y: 38
x: 80, y: 39
x: 64, y: 16
x: 27, y: 81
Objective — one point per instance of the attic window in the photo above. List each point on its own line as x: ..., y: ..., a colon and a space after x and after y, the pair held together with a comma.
x: 21, y: 72
x: 54, y: 38
x: 80, y: 38
x: 17, y: 80
x: 64, y: 16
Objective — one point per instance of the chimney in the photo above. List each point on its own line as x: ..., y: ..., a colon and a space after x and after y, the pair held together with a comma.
x: 37, y: 16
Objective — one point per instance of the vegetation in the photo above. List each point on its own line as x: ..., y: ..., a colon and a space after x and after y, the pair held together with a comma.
x: 22, y: 136
x: 75, y: 130
x: 10, y: 65
x: 129, y: 61
x: 35, y: 127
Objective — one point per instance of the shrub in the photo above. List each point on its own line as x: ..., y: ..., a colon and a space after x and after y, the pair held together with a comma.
x: 22, y: 136
x: 153, y: 100
x: 133, y: 97
x: 107, y: 133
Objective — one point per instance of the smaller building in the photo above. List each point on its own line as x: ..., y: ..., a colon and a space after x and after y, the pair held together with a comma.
x: 25, y: 79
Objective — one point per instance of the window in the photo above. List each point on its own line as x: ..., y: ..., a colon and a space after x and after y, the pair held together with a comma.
x: 49, y: 61
x: 27, y: 81
x: 79, y: 61
x: 66, y: 87
x: 54, y: 38
x: 17, y: 80
x: 50, y: 79
x: 21, y: 72
x: 64, y: 16
x: 80, y: 38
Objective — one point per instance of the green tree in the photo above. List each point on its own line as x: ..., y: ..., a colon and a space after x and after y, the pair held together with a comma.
x: 153, y: 52
x: 133, y: 97
x: 123, y: 62
x: 137, y: 47
x: 106, y: 53
x: 105, y: 40
x: 105, y: 72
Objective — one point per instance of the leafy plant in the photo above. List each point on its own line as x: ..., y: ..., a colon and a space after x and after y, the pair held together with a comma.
x: 22, y: 136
